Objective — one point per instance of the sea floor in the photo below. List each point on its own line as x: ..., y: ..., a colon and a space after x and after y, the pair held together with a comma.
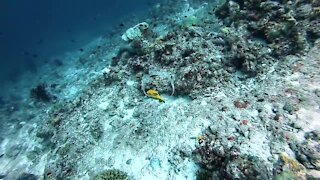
x: 95, y: 124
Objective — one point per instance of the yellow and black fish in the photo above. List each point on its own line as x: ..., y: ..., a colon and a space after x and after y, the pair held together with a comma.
x: 155, y: 95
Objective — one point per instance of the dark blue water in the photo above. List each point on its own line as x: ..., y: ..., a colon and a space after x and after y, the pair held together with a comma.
x: 33, y: 31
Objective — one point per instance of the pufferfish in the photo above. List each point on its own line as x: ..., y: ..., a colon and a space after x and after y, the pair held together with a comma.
x: 155, y: 95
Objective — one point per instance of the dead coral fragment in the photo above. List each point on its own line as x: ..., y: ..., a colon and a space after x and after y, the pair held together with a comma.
x: 135, y: 32
x: 241, y: 105
x: 55, y: 121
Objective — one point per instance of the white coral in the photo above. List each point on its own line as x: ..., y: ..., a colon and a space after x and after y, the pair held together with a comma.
x: 135, y: 32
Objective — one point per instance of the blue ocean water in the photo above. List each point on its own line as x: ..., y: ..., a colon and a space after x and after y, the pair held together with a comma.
x: 33, y: 31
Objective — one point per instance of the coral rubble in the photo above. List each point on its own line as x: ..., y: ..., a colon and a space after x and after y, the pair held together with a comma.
x: 240, y: 82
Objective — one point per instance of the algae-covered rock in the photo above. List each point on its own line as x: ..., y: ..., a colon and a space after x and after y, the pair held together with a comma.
x: 288, y: 28
x: 285, y: 176
x: 247, y: 168
x: 308, y: 153
x: 112, y: 174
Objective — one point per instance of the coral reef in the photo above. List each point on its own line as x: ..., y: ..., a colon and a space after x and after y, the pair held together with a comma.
x: 214, y: 65
x: 181, y: 53
x: 308, y: 152
x: 284, y: 22
x: 221, y: 160
x: 268, y: 28
x: 241, y: 98
x: 113, y: 174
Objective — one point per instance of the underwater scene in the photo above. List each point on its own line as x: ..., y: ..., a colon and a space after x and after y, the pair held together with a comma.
x: 160, y: 90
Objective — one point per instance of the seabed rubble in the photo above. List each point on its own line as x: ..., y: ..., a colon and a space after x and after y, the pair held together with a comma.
x: 240, y: 81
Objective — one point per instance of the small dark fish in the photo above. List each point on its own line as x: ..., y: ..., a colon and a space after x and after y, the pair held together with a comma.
x: 81, y: 50
x: 73, y: 41
x: 35, y: 55
x: 121, y: 24
x: 57, y: 62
